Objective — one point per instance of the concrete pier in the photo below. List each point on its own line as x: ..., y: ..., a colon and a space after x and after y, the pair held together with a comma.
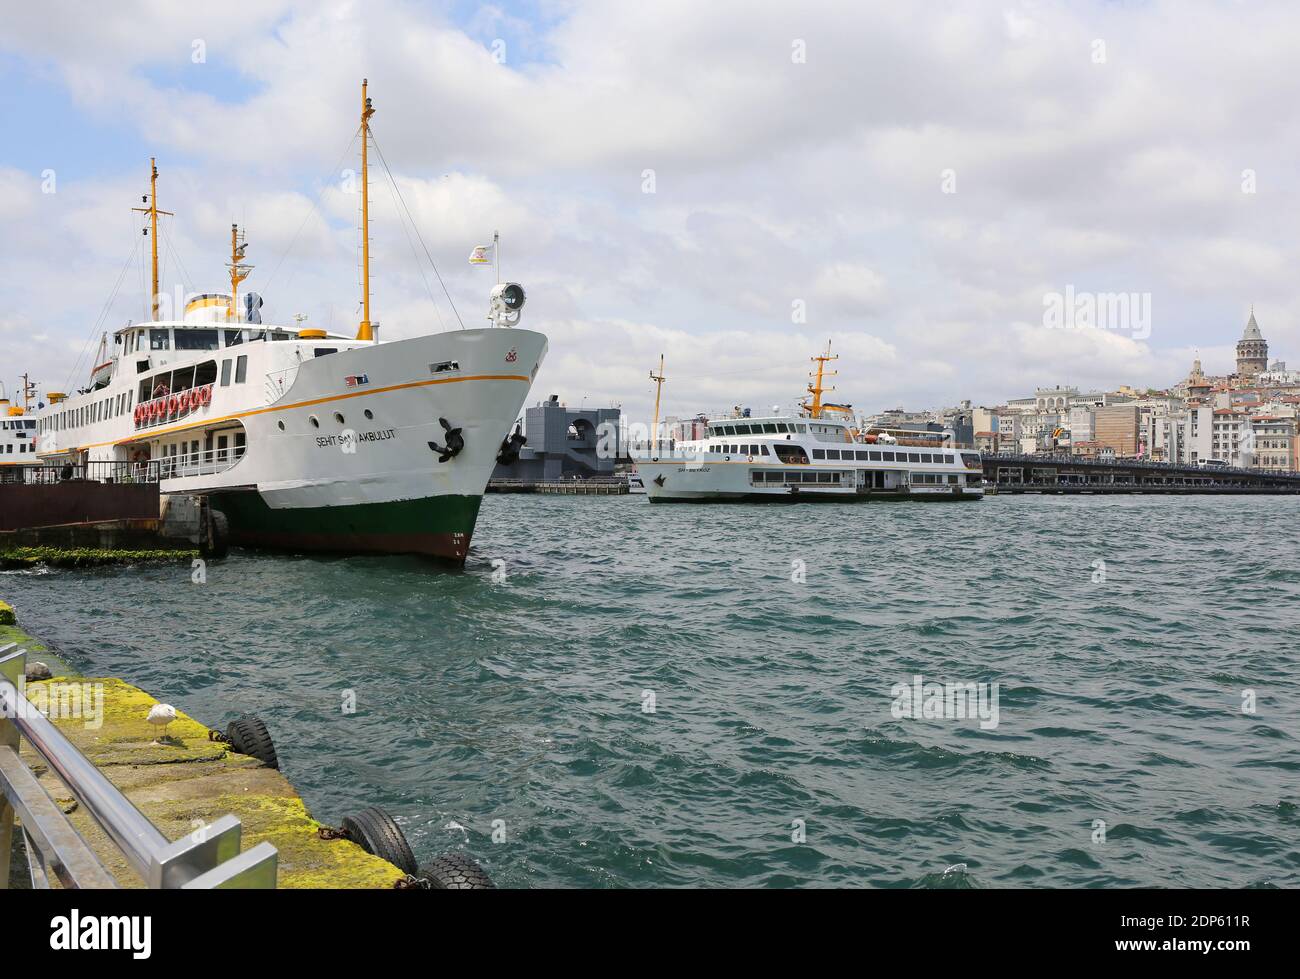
x: 185, y: 782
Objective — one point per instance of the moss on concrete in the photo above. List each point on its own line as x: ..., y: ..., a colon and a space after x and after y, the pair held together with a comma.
x: 186, y: 781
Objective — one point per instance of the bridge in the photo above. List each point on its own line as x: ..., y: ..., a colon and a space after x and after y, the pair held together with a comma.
x: 1014, y: 473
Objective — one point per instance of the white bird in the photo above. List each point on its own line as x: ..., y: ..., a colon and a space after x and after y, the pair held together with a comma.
x: 161, y: 715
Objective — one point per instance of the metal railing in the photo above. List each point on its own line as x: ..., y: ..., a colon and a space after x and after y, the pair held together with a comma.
x: 210, y: 857
x: 95, y: 472
x: 203, y: 463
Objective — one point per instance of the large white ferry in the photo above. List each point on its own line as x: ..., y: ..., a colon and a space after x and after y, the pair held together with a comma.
x: 304, y: 439
x: 814, y: 453
x: 17, y: 435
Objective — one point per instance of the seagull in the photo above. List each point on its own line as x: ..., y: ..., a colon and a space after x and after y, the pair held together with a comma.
x: 161, y: 715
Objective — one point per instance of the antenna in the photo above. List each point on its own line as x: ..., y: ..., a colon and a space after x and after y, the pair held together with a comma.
x: 239, y: 269
x: 659, y: 387
x: 364, y: 331
x: 152, y: 210
x: 816, y: 389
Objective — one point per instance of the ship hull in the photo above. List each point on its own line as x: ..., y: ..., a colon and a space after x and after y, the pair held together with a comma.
x: 436, y: 526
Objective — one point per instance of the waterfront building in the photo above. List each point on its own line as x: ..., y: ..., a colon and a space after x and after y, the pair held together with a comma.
x: 1275, y: 442
x: 1116, y: 427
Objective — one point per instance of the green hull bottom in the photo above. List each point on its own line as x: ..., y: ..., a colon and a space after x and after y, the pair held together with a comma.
x: 437, y: 526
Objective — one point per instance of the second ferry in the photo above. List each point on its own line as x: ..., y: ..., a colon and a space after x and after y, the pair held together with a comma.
x: 814, y: 453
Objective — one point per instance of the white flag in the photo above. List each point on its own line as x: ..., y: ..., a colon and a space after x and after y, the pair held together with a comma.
x: 481, y: 255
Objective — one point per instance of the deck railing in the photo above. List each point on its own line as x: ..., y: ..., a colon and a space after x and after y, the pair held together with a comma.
x: 210, y: 857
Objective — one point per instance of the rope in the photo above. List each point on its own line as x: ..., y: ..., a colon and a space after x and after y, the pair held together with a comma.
x: 310, y: 211
x: 103, y: 315
x: 451, y: 302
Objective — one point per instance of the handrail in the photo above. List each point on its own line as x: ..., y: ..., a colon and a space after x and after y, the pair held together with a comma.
x: 159, y: 862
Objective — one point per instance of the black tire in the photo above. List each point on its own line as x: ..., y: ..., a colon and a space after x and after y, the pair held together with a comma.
x: 375, y: 832
x: 216, y: 542
x: 249, y: 736
x: 455, y: 872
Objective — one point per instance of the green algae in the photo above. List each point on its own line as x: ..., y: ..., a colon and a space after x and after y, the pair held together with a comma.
x: 87, y: 557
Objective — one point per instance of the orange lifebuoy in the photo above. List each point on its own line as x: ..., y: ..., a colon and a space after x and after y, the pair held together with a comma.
x: 152, y: 408
x: 187, y: 400
x: 206, y: 393
x: 173, y: 404
x: 139, y: 412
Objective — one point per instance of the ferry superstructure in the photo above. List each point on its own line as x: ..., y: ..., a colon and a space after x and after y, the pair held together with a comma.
x: 814, y: 453
x: 17, y: 435
x: 305, y: 439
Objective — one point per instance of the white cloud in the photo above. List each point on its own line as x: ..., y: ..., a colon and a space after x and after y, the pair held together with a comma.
x: 774, y: 181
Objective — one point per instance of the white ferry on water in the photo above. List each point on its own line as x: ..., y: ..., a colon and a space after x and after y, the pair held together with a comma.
x: 815, y: 453
x: 303, y: 439
x: 17, y: 435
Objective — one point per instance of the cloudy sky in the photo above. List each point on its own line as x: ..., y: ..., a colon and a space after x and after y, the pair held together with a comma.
x: 730, y: 184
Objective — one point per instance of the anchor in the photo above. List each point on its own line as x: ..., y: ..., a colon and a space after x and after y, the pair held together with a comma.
x: 455, y: 442
x: 508, y: 454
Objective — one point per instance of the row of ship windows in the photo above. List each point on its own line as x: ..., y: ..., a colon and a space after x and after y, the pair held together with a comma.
x: 761, y: 477
x: 841, y: 455
x: 879, y: 455
x: 8, y: 448
x: 20, y: 423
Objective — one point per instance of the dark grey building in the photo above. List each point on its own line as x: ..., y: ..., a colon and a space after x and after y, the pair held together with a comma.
x: 563, y: 442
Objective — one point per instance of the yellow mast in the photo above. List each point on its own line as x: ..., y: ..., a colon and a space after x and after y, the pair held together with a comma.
x: 364, y: 331
x: 659, y: 388
x: 153, y: 212
x: 238, y: 270
x: 816, y: 389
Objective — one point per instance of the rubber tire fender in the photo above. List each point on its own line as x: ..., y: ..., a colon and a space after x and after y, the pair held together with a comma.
x: 374, y: 831
x: 248, y: 736
x: 455, y: 872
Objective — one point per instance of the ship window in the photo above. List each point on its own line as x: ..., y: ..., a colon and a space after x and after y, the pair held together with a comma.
x: 315, y: 422
x: 234, y: 337
x: 832, y: 454
x: 763, y: 449
x: 158, y: 340
x: 888, y: 456
x: 369, y: 413
x: 914, y: 457
x: 338, y: 418
x: 281, y: 424
x: 225, y: 373
x: 819, y: 453
x: 874, y: 456
x: 326, y: 351
x: 241, y: 369
x: 728, y: 429
x: 196, y: 340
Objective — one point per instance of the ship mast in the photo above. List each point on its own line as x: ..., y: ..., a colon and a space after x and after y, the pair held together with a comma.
x: 816, y: 389
x: 364, y: 331
x: 152, y: 231
x: 659, y: 388
x: 238, y: 270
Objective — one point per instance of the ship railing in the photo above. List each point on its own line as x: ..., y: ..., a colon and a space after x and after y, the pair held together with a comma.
x: 208, y: 857
x: 206, y: 462
x: 278, y: 382
x: 95, y: 471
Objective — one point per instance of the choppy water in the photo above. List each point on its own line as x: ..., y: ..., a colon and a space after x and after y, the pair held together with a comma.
x: 1120, y: 700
